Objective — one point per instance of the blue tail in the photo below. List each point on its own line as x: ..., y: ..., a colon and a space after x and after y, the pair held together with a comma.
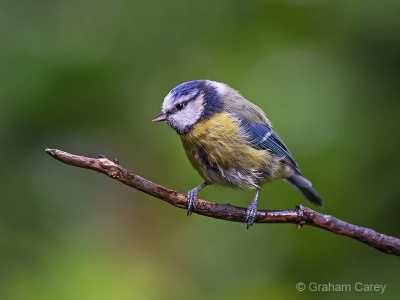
x: 304, y: 187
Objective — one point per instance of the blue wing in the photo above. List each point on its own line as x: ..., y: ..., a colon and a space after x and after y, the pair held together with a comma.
x: 262, y: 136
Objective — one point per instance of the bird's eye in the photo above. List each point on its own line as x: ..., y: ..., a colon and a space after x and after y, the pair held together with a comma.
x: 179, y: 106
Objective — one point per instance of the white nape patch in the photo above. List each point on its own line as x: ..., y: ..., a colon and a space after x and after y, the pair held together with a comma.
x: 221, y: 88
x: 170, y: 101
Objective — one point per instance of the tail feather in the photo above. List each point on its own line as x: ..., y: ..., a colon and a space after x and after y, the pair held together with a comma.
x: 304, y: 187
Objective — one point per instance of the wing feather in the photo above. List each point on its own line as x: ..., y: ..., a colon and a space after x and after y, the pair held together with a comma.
x: 262, y: 136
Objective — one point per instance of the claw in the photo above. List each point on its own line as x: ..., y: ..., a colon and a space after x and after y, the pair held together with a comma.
x: 251, y: 215
x: 192, y: 198
x: 251, y: 211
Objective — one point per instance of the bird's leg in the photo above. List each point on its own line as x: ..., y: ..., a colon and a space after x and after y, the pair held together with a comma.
x: 192, y: 197
x: 252, y: 210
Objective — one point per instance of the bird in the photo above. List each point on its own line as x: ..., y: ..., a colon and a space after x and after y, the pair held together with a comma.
x: 230, y: 142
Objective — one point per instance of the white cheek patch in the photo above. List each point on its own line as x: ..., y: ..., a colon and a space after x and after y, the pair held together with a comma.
x: 199, y: 102
x: 189, y: 115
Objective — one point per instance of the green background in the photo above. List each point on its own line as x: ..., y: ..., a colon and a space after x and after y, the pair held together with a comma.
x: 88, y: 77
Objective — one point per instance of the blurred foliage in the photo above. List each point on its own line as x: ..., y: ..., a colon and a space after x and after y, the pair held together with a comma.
x: 88, y: 77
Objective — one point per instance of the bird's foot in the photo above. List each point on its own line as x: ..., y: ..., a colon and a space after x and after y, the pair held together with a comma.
x: 191, y: 200
x: 251, y: 211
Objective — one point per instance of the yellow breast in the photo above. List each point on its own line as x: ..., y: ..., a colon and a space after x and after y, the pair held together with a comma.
x: 221, y: 142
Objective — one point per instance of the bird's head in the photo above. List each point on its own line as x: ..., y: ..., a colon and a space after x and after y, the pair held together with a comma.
x: 189, y: 103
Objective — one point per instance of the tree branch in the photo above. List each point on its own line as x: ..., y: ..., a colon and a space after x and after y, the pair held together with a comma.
x: 299, y: 216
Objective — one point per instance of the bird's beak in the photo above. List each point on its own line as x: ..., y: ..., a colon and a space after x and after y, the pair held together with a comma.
x: 160, y: 117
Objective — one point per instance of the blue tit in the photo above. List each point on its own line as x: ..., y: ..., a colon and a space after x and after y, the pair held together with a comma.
x: 229, y: 141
